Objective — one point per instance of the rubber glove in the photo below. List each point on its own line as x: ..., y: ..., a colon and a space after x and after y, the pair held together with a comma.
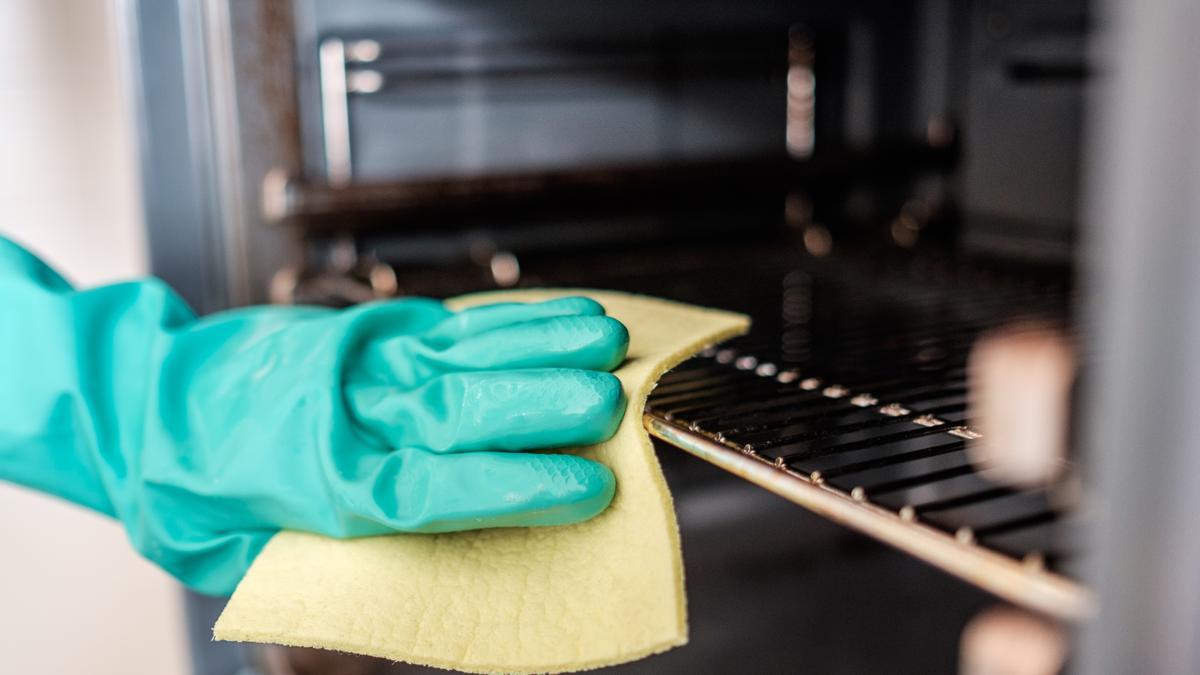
x: 205, y: 437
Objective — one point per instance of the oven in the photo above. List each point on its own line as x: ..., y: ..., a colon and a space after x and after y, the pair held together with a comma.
x: 883, y: 186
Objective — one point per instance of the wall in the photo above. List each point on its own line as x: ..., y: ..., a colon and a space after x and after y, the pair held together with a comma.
x: 74, y: 598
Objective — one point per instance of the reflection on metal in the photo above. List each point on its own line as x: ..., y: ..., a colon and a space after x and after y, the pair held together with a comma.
x: 766, y: 370
x: 940, y: 131
x: 817, y: 241
x: 835, y: 391
x: 864, y: 401
x: 274, y: 197
x: 335, y: 111
x: 1026, y: 585
x: 364, y: 81
x: 928, y: 421
x: 382, y: 279
x: 282, y: 288
x: 801, y: 94
x: 343, y: 254
x: 363, y: 51
x: 1008, y: 640
x: 906, y: 227
x: 370, y: 280
x: 505, y: 269
x: 905, y: 232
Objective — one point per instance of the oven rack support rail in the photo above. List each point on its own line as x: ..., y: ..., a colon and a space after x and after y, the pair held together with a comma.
x: 1025, y: 582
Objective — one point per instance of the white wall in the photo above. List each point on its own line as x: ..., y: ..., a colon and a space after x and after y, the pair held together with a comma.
x: 74, y: 598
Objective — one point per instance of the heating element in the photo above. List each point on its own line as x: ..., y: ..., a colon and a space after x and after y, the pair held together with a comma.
x: 852, y: 403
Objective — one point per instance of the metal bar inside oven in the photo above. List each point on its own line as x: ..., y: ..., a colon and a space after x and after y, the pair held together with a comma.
x: 1022, y: 582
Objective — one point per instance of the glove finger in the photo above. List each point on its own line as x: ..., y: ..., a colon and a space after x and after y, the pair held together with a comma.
x: 580, y: 342
x: 587, y: 342
x: 496, y: 410
x: 476, y: 320
x: 411, y: 490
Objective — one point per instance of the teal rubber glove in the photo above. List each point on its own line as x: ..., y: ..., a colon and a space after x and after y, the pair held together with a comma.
x: 205, y: 437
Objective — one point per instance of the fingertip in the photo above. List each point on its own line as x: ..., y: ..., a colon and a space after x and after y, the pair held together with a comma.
x: 622, y: 339
x: 577, y: 305
x: 613, y: 338
x: 608, y: 409
x: 608, y: 388
x: 582, y: 489
x: 596, y: 491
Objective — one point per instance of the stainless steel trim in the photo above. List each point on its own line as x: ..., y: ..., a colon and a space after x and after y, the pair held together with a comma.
x: 335, y: 111
x: 225, y: 139
x: 1142, y: 256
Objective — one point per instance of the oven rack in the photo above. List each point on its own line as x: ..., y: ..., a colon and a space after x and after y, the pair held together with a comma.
x: 886, y: 458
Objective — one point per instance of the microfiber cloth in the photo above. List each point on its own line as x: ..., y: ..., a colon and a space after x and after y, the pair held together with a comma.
x: 519, y: 600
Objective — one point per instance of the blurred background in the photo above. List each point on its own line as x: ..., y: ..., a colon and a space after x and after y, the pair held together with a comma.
x: 76, y: 597
x: 966, y: 232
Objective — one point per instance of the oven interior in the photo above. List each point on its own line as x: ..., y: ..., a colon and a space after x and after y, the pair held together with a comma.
x: 875, y: 183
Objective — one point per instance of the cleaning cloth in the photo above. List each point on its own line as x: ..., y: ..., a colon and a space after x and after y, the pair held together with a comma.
x: 521, y: 600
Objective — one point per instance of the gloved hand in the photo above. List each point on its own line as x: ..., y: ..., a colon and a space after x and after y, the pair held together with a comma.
x: 205, y: 437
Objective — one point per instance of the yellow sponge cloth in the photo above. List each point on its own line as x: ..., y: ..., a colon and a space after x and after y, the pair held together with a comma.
x: 520, y: 600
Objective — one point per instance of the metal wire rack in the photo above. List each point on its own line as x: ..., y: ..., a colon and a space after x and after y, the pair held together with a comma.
x: 880, y: 444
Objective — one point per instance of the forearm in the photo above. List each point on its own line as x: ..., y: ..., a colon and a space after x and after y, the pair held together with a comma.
x: 68, y: 359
